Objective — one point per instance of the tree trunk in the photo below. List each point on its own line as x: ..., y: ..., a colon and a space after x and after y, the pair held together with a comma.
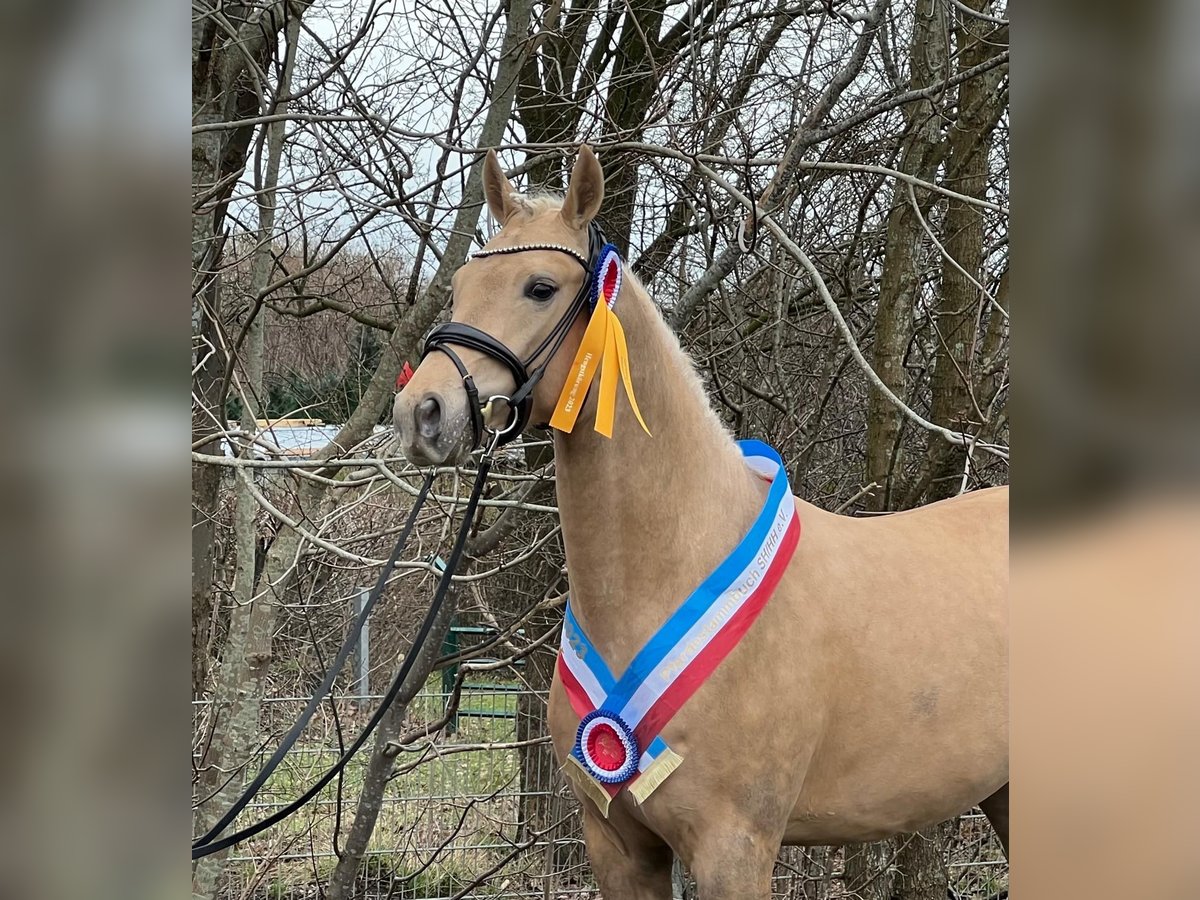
x: 868, y: 870
x: 920, y: 865
x: 223, y: 91
x: 959, y: 310
x: 545, y: 799
x: 547, y: 105
x: 899, y: 291
x: 206, y: 486
x: 379, y: 766
x: 629, y: 95
x: 252, y: 621
x: 499, y: 110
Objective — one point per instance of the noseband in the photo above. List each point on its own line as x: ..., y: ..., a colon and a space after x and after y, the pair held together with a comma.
x: 460, y: 334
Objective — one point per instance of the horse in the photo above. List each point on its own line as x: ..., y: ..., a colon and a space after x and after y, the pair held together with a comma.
x: 870, y: 696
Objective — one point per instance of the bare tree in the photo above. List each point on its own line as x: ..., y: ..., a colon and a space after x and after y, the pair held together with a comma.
x: 816, y: 194
x: 900, y: 291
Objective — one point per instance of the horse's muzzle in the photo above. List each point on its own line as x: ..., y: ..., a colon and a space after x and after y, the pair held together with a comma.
x: 430, y: 427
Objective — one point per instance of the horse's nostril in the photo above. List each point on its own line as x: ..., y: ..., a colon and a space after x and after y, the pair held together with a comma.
x: 429, y: 418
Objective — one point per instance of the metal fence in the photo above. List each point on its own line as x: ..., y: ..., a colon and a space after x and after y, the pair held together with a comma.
x: 483, y: 812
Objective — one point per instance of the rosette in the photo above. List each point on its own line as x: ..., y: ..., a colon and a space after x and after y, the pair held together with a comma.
x: 606, y: 747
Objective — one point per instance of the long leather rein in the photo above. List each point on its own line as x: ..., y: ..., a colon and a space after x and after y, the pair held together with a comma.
x: 520, y: 402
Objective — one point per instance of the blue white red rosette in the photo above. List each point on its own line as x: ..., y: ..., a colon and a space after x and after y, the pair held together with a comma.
x: 606, y: 747
x: 607, y: 283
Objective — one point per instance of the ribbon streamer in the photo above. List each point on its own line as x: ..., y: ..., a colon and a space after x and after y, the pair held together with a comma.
x: 602, y: 349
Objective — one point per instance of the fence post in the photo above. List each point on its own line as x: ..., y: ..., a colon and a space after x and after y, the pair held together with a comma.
x: 362, y: 650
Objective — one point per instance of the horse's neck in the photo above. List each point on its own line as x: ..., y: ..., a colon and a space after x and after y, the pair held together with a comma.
x: 645, y: 519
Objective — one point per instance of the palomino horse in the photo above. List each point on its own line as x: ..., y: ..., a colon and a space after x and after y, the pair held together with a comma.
x: 869, y: 698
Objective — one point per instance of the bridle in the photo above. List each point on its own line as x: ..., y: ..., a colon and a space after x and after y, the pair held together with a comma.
x: 520, y: 403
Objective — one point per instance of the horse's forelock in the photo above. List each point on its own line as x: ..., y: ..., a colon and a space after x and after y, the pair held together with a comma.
x: 532, y: 204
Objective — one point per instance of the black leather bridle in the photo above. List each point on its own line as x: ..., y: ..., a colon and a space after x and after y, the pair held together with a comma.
x: 460, y: 334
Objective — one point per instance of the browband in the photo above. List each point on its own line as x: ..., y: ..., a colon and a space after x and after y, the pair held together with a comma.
x: 519, y: 248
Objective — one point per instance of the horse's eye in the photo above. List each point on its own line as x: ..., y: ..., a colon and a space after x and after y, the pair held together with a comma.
x: 541, y: 291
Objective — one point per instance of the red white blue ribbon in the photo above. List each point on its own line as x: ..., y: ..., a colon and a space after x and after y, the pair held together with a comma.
x: 681, y: 655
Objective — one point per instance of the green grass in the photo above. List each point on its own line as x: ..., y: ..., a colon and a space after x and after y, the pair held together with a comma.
x: 421, y: 809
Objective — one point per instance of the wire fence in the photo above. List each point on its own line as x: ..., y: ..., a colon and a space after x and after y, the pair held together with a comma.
x: 481, y: 810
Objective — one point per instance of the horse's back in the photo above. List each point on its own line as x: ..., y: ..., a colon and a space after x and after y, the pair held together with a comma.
x: 987, y: 506
x: 944, y: 557
x: 978, y: 518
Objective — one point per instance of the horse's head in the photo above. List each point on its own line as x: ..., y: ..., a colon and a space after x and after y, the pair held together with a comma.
x: 515, y: 322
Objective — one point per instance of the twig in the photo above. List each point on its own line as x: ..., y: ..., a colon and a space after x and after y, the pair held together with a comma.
x: 863, y: 492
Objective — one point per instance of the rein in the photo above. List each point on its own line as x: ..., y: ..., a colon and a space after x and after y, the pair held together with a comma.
x: 211, y: 842
x: 460, y: 334
x: 442, y: 338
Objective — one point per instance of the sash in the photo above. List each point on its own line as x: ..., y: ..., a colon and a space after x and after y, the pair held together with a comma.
x: 618, y: 743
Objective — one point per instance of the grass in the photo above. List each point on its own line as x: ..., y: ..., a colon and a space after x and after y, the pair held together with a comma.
x: 421, y: 809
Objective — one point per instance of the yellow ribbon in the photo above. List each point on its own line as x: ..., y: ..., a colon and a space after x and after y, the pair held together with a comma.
x: 603, y: 347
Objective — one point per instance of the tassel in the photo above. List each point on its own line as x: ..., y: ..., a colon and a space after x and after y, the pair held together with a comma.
x: 606, y: 405
x: 646, y: 783
x: 583, y: 782
x: 622, y: 351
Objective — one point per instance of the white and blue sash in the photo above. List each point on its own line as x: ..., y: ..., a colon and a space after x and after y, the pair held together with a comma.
x: 618, y: 743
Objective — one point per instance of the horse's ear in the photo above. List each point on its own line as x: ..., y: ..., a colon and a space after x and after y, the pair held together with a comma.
x: 585, y: 192
x: 497, y: 190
